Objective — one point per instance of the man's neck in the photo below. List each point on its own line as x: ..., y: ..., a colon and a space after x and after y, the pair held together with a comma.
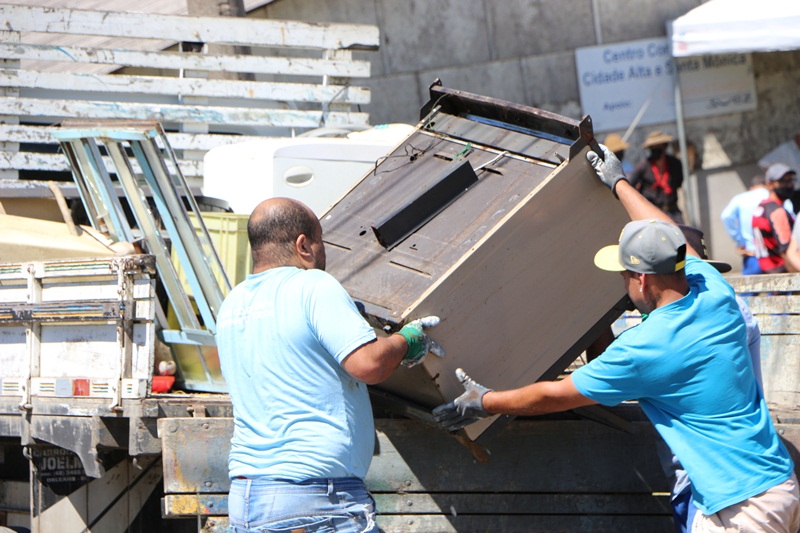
x: 668, y: 296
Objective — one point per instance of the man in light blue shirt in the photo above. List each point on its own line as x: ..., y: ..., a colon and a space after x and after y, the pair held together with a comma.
x: 737, y: 217
x: 297, y: 358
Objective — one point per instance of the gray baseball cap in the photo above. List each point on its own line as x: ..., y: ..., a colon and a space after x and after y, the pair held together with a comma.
x: 645, y: 246
x: 778, y: 170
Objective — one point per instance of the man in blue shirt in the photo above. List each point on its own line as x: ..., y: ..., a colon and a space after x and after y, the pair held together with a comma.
x: 737, y: 217
x: 297, y: 357
x: 687, y: 364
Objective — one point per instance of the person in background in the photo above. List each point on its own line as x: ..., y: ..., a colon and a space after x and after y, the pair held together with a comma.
x: 792, y: 256
x: 787, y: 153
x: 692, y: 157
x: 772, y: 223
x: 618, y: 145
x: 688, y: 365
x: 737, y: 217
x: 297, y: 357
x: 659, y: 177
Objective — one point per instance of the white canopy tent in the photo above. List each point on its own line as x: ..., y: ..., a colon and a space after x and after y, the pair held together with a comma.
x: 726, y: 26
x: 730, y: 26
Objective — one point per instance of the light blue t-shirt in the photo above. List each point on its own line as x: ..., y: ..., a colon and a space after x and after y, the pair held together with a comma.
x: 282, y: 335
x: 737, y: 216
x: 689, y: 366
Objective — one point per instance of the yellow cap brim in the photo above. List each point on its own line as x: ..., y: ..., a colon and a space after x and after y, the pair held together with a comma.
x: 608, y: 259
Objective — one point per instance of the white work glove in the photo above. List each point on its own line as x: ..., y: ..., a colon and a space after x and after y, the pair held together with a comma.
x: 609, y: 169
x: 464, y: 410
x: 419, y: 344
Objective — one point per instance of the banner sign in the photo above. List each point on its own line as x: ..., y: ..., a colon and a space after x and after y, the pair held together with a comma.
x: 621, y: 81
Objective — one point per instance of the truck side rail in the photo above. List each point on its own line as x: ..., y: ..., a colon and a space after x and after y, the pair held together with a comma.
x: 58, y: 344
x: 204, y: 77
x: 774, y: 300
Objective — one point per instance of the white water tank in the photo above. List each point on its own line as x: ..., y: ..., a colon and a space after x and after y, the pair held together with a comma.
x: 315, y: 170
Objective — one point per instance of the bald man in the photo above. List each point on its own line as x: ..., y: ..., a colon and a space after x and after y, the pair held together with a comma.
x: 297, y: 358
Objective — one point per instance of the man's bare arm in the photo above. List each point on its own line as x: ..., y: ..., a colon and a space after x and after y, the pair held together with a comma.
x: 536, y: 399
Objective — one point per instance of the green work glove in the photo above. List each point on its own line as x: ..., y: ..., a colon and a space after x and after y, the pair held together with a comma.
x: 609, y: 169
x: 465, y: 409
x: 419, y: 344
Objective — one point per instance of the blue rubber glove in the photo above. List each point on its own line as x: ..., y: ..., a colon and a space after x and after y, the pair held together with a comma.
x: 464, y: 410
x: 419, y: 344
x: 609, y: 169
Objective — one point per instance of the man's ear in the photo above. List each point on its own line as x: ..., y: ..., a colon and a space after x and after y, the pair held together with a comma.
x: 302, y: 246
x: 644, y: 281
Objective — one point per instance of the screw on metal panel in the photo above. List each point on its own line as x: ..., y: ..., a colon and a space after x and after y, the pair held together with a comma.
x: 410, y: 522
x: 781, y: 431
x: 206, y: 426
x: 408, y: 483
x: 409, y: 503
x: 208, y: 483
x: 209, y: 504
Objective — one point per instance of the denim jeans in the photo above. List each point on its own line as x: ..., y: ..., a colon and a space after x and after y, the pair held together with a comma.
x: 341, y: 505
x: 750, y: 265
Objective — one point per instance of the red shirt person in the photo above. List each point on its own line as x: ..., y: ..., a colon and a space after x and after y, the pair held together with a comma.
x: 772, y: 223
x: 660, y: 176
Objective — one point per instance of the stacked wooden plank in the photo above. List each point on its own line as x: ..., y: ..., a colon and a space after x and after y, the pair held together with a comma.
x: 227, y: 78
x: 774, y: 300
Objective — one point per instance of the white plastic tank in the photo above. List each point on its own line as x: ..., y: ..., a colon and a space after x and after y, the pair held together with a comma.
x: 318, y: 171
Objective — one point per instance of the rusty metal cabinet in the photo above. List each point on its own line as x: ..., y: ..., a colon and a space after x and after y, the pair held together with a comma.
x: 487, y: 215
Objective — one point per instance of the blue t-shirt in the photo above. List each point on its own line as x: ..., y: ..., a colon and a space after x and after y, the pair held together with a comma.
x: 282, y: 335
x: 689, y: 366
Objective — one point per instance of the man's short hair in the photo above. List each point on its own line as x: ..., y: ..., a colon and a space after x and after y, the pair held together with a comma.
x: 281, y: 225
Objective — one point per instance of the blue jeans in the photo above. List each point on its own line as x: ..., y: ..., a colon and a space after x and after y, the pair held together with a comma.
x: 341, y: 505
x: 750, y: 265
x: 683, y: 510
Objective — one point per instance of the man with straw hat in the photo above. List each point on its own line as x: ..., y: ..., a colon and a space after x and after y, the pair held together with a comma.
x: 618, y: 145
x: 660, y: 176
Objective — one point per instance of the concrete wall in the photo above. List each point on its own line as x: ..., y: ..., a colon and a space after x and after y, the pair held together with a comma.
x: 523, y: 51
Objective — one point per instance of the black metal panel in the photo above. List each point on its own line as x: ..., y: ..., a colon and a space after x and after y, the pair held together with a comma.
x: 455, y: 179
x: 525, y: 119
x: 522, y: 119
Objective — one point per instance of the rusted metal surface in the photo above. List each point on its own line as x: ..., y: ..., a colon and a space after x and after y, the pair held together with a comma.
x: 182, y: 505
x: 84, y: 311
x: 194, y: 452
x: 542, y: 472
